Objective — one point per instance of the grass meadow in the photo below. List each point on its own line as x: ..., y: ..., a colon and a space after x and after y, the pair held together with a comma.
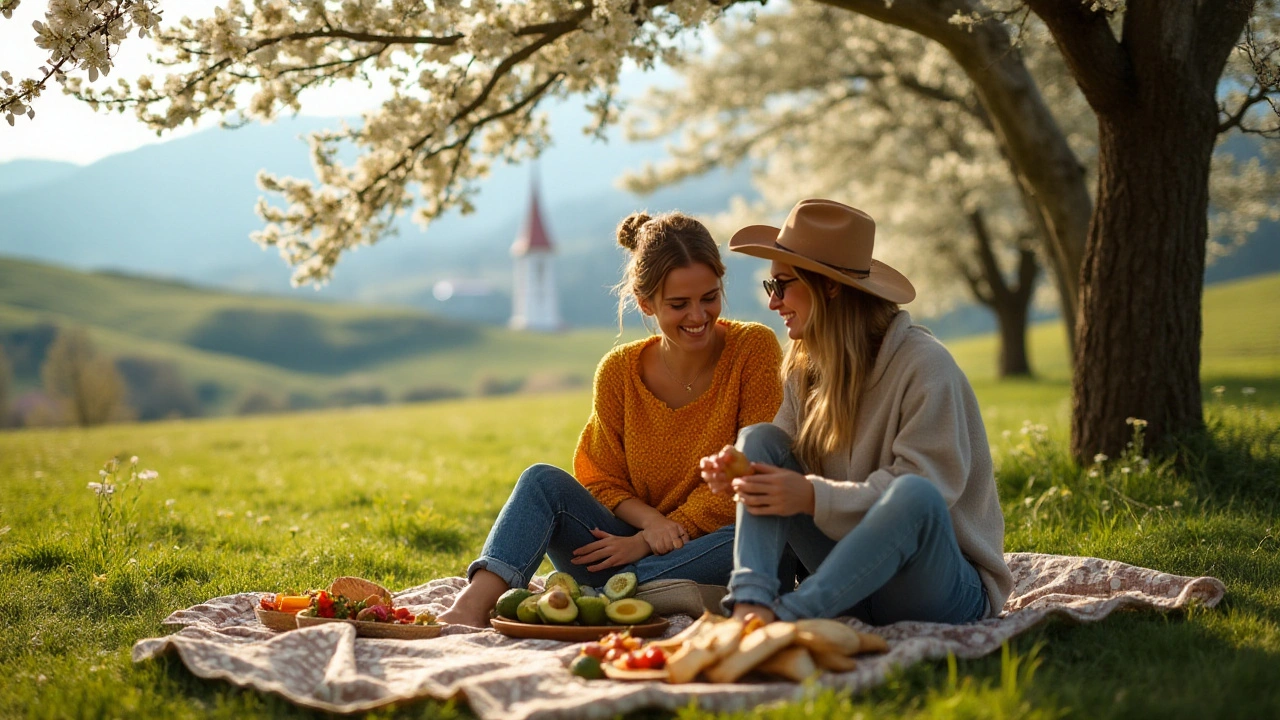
x: 404, y: 494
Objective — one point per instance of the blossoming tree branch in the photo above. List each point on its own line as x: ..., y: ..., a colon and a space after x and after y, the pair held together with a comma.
x: 80, y: 36
x: 463, y: 81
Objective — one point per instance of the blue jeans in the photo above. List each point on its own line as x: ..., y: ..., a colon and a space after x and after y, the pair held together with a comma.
x: 551, y: 513
x: 902, y: 562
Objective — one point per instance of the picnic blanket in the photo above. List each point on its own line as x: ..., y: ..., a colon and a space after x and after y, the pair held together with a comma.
x: 327, y: 668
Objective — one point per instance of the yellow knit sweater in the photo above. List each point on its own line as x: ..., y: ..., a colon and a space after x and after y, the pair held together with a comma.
x: 635, y: 446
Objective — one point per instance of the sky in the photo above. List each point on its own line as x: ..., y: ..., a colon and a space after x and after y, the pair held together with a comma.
x: 66, y: 129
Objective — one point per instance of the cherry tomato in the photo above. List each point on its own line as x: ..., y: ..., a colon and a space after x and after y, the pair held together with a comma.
x: 653, y: 658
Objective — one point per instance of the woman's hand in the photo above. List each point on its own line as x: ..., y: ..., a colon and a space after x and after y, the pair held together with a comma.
x: 664, y: 535
x: 715, y: 473
x: 774, y: 491
x: 610, y: 551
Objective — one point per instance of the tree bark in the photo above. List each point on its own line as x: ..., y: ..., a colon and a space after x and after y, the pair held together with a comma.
x: 1138, y: 337
x: 1034, y: 144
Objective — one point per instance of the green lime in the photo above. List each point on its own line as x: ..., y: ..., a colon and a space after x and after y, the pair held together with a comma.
x: 585, y: 666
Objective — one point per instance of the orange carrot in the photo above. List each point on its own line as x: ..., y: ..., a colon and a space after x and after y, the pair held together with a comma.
x: 292, y: 603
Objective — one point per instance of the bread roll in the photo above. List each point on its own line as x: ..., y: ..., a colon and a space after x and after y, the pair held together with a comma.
x: 354, y: 588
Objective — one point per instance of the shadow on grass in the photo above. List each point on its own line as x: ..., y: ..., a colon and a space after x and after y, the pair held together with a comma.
x: 1236, y: 460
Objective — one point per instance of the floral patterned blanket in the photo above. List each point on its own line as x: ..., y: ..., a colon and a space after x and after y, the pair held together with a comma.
x: 327, y: 668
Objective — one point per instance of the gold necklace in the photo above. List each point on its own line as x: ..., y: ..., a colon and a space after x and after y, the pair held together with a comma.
x: 688, y: 386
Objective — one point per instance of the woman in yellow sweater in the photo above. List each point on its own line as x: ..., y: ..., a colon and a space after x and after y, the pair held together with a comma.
x: 637, y: 502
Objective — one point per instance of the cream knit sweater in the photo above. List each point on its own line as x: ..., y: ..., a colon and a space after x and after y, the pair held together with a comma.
x: 918, y: 415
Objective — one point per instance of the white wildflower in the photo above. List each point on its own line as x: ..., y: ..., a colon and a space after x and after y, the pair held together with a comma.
x: 1100, y: 458
x: 1248, y: 390
x: 148, y: 475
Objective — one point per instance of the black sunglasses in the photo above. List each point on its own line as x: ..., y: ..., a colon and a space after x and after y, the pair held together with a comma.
x: 777, y: 288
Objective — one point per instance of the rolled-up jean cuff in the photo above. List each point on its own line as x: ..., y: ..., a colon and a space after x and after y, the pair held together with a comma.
x: 752, y: 588
x: 510, y: 575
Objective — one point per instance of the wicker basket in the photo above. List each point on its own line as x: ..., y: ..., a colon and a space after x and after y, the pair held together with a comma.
x: 276, y: 620
x: 391, y: 631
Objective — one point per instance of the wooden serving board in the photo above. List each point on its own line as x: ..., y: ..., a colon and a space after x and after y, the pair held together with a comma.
x: 575, y: 633
x: 389, y: 631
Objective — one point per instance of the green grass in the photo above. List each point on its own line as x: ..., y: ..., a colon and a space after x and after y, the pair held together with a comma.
x: 405, y: 494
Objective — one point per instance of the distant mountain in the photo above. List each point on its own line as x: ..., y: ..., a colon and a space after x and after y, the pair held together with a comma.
x: 22, y: 174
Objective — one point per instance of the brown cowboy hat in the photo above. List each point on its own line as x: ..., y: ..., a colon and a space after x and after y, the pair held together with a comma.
x: 831, y: 239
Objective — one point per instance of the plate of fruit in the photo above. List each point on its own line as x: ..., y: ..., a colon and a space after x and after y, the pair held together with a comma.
x: 367, y: 606
x: 278, y: 611
x: 568, y: 612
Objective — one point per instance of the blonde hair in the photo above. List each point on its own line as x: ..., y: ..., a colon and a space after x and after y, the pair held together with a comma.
x: 830, y: 363
x: 657, y: 246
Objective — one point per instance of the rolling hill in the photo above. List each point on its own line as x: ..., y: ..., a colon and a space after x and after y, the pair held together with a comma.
x: 229, y: 348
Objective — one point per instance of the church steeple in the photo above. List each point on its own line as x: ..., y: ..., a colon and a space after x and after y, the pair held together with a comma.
x: 534, y: 301
x: 533, y: 236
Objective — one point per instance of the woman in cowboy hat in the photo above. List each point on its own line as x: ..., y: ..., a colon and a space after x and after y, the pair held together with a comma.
x: 876, y: 471
x: 634, y: 501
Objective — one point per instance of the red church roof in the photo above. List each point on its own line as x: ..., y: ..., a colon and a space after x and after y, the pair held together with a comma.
x: 533, y: 236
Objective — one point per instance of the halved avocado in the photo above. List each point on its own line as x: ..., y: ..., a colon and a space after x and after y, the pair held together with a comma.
x: 588, y: 591
x: 510, y: 600
x: 622, y: 585
x: 556, y: 607
x: 591, y: 610
x: 629, y: 611
x: 566, y: 581
x: 527, y: 611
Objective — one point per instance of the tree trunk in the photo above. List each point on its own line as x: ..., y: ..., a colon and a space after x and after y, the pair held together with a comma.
x: 1138, y: 339
x: 1009, y: 303
x: 1138, y: 336
x: 1013, y: 342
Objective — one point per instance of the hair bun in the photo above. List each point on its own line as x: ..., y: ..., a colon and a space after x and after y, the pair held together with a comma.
x: 629, y: 230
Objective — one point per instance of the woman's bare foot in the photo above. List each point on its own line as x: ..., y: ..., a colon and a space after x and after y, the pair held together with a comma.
x: 472, y: 606
x: 742, y: 610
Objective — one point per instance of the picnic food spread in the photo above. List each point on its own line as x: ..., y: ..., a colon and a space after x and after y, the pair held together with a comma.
x: 347, y: 599
x: 723, y: 650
